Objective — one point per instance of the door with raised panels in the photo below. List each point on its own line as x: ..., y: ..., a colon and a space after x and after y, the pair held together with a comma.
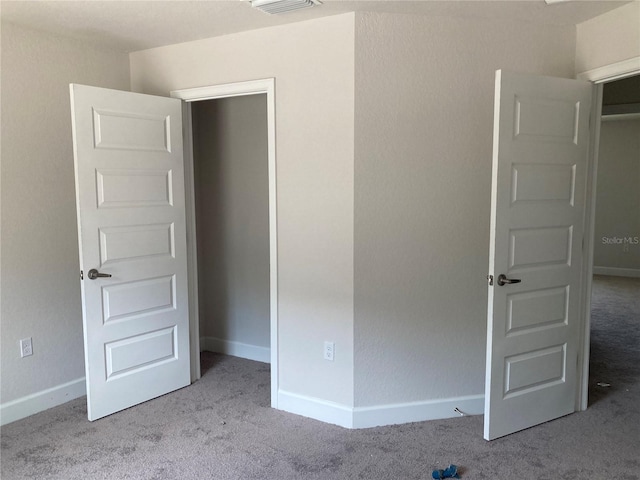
x: 132, y: 238
x: 541, y: 137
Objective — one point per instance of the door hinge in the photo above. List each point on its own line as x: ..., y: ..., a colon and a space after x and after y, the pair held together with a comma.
x: 81, y: 275
x: 490, y: 278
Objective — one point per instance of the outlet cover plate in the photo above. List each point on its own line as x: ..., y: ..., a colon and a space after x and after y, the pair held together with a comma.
x: 26, y: 347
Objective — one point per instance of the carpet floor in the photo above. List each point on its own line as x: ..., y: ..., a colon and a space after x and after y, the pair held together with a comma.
x: 222, y: 428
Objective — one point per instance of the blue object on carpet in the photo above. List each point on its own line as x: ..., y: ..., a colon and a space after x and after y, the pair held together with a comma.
x: 450, y: 472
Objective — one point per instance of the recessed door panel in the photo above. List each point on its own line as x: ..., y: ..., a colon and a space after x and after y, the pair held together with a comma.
x: 136, y: 242
x: 131, y: 131
x: 140, y: 352
x: 543, y: 183
x: 124, y: 300
x: 534, y: 370
x: 540, y: 247
x: 546, y: 119
x: 120, y: 188
x: 537, y: 309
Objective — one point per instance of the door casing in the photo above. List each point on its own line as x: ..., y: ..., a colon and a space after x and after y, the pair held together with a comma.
x: 252, y: 87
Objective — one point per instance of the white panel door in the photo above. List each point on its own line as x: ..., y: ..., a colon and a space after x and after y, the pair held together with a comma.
x: 541, y: 136
x: 131, y: 226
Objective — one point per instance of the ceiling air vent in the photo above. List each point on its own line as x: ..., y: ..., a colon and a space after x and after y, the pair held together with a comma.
x: 274, y: 7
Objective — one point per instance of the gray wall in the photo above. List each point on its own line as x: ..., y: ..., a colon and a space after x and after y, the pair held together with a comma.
x: 424, y: 126
x: 618, y: 196
x: 40, y: 275
x: 232, y: 216
x: 609, y: 38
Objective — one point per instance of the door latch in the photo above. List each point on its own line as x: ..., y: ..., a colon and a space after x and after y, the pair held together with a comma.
x: 490, y: 278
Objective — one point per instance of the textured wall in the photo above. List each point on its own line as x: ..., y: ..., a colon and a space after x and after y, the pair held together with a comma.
x: 609, y: 38
x: 232, y: 216
x: 618, y: 196
x: 424, y: 125
x: 40, y: 283
x: 312, y: 63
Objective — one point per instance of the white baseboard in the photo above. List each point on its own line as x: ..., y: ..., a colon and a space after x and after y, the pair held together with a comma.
x: 40, y: 401
x: 318, y: 409
x: 236, y: 349
x: 617, y: 272
x: 379, y: 415
x: 394, y: 414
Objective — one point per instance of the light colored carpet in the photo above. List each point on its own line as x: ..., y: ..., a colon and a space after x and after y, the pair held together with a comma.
x: 222, y: 428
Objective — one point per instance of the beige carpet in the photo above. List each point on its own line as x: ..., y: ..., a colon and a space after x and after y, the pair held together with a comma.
x: 222, y: 428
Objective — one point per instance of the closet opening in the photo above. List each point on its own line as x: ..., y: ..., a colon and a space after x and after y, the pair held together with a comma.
x: 232, y: 225
x: 230, y: 153
x: 615, y: 299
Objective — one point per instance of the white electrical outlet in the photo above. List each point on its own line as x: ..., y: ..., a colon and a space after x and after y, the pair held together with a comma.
x: 26, y: 347
x: 329, y: 350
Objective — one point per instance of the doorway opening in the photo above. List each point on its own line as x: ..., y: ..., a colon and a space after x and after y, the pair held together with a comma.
x: 230, y: 159
x: 230, y: 178
x: 615, y: 297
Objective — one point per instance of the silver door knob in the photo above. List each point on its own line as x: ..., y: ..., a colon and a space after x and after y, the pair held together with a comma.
x: 93, y: 274
x: 502, y: 280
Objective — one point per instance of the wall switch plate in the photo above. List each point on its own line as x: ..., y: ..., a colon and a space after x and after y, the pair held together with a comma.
x: 329, y: 349
x: 26, y: 347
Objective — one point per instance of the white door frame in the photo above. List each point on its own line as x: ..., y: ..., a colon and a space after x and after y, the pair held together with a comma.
x: 598, y: 76
x: 253, y: 87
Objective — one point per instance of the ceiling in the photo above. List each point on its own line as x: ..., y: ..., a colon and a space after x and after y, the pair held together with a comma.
x: 137, y: 25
